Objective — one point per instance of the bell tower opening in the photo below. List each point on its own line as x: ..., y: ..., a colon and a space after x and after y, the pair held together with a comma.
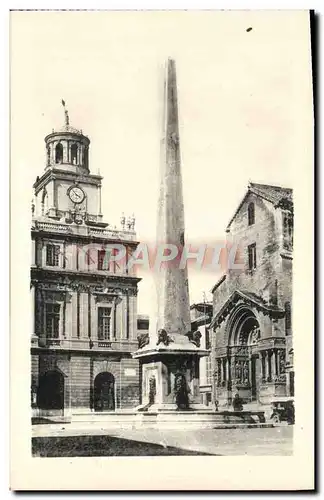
x: 73, y: 193
x: 59, y: 153
x: 74, y: 154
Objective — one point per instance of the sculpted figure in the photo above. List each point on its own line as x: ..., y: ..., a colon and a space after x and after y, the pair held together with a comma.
x: 163, y: 337
x: 143, y: 339
x: 194, y: 337
x: 152, y: 389
x: 255, y: 337
x: 181, y: 392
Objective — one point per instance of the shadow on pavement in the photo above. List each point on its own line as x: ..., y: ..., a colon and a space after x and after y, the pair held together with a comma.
x: 45, y: 420
x: 101, y: 446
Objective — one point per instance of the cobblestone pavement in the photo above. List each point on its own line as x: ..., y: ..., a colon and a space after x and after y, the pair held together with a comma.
x: 100, y: 442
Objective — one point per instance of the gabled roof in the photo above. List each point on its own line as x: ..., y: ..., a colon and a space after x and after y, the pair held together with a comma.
x: 202, y: 306
x: 249, y: 298
x: 273, y: 194
x: 219, y: 282
x: 201, y: 320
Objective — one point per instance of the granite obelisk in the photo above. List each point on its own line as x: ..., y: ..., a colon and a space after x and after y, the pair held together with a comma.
x: 169, y: 357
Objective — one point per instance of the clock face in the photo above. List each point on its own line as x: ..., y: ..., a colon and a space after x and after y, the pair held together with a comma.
x: 76, y: 194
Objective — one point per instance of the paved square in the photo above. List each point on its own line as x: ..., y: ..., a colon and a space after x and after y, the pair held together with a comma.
x: 68, y: 442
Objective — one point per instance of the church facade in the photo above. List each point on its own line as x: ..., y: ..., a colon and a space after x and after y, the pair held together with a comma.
x: 251, y: 329
x: 84, y: 299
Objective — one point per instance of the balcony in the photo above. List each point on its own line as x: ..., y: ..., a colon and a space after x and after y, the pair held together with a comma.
x: 105, y: 344
x: 109, y: 234
x: 49, y: 342
x: 84, y: 344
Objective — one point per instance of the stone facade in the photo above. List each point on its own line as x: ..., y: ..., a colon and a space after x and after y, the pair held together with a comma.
x: 84, y: 299
x: 201, y: 315
x: 251, y: 327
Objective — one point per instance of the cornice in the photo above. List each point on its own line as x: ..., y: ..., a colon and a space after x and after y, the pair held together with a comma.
x: 61, y: 174
x: 68, y: 278
x: 81, y: 238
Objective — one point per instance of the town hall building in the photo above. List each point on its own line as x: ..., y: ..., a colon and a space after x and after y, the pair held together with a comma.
x: 84, y: 301
x: 251, y: 329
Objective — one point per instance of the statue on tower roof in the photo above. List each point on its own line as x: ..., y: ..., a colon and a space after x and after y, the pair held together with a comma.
x: 67, y: 121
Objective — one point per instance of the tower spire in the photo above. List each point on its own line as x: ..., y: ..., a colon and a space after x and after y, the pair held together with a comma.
x: 172, y: 283
x: 170, y: 353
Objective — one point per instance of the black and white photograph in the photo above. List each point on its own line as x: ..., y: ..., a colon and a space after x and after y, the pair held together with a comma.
x: 162, y: 194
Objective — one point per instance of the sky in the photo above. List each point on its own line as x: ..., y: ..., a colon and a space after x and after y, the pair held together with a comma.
x: 240, y: 108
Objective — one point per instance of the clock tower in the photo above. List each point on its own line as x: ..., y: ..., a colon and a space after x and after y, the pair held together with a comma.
x: 84, y: 299
x: 67, y: 191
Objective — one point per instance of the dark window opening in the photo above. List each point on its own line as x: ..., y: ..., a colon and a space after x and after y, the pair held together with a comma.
x: 251, y: 214
x: 104, y: 314
x: 74, y: 154
x: 50, y: 394
x: 103, y: 260
x: 288, y: 230
x: 59, y: 153
x: 52, y: 320
x: 52, y: 255
x: 142, y: 324
x: 288, y: 318
x: 292, y: 383
x: 207, y: 338
x: 252, y: 256
x: 86, y: 157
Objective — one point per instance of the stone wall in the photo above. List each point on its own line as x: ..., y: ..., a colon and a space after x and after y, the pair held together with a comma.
x: 79, y: 373
x: 272, y: 278
x: 270, y: 282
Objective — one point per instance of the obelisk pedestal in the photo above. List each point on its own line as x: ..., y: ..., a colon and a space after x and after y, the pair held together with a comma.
x: 169, y: 356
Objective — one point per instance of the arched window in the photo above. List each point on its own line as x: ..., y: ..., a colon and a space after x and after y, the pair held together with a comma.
x: 74, y: 154
x: 86, y: 157
x: 288, y: 318
x: 48, y: 150
x: 59, y: 153
x: 251, y: 214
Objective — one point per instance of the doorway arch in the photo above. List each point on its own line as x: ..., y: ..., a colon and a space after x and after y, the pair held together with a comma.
x: 104, y: 392
x: 50, y: 395
x: 243, y: 327
x: 243, y: 334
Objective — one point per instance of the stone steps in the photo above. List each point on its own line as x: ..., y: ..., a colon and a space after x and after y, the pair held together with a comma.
x: 164, y: 420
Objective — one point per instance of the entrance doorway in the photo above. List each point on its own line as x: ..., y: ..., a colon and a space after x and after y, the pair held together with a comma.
x: 50, y: 395
x: 104, y: 392
x: 244, y: 336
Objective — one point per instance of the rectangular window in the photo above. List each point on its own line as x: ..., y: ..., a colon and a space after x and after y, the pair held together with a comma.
x: 103, y: 260
x: 52, y: 320
x: 207, y: 338
x: 52, y: 255
x: 104, y: 316
x: 252, y: 256
x: 288, y: 229
x: 208, y: 370
x: 251, y: 214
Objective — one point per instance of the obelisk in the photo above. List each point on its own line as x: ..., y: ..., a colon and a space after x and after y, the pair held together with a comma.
x: 170, y: 356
